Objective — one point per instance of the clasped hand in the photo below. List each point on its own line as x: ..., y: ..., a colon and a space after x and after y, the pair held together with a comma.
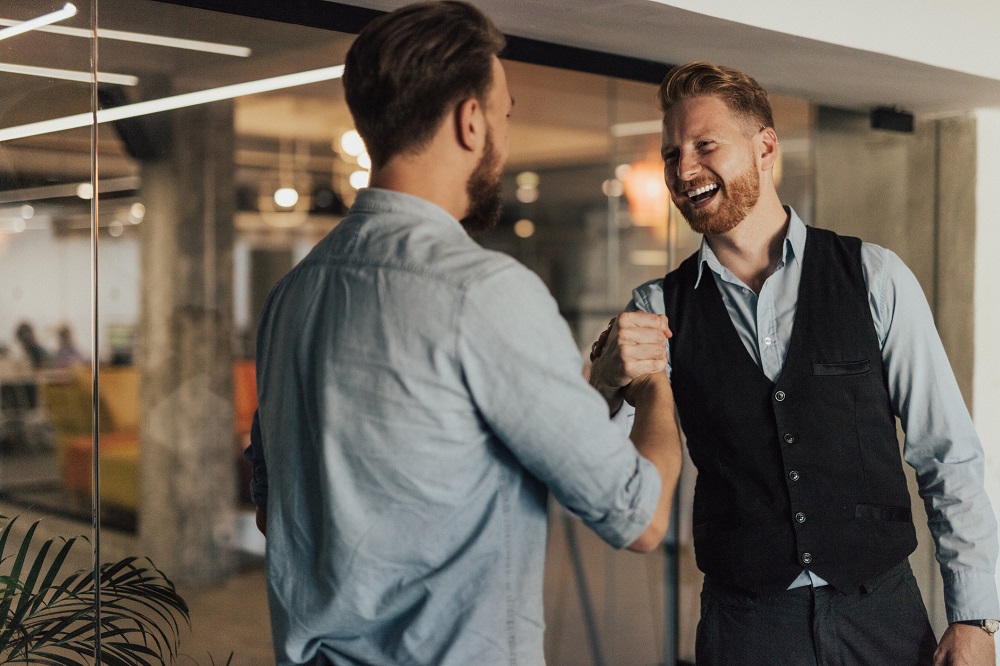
x: 631, y: 348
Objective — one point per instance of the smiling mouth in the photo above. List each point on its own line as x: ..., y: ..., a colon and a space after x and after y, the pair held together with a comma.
x: 701, y: 195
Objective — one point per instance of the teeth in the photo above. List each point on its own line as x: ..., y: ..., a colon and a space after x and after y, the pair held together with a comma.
x: 702, y: 190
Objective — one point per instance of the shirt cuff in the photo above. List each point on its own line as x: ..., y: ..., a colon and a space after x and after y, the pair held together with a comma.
x: 971, y: 595
x: 620, y: 528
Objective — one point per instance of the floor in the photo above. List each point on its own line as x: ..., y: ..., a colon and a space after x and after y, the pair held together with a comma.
x: 621, y: 623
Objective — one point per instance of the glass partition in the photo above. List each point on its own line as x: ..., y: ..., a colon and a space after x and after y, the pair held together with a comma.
x: 224, y: 152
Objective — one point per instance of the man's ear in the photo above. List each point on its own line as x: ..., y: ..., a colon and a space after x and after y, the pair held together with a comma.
x: 470, y: 124
x: 767, y: 148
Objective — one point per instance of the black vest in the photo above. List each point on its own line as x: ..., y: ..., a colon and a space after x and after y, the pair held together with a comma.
x: 803, y: 473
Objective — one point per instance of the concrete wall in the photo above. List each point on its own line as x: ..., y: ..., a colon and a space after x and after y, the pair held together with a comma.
x: 986, y: 372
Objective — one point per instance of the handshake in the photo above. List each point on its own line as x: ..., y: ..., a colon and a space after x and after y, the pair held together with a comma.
x: 630, y: 357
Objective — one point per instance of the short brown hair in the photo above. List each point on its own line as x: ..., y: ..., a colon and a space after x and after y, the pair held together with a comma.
x: 408, y: 67
x: 740, y: 92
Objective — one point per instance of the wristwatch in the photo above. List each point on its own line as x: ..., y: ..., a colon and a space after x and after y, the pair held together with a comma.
x: 989, y: 626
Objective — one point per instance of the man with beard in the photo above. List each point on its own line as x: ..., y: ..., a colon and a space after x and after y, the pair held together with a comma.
x: 420, y: 395
x: 793, y: 350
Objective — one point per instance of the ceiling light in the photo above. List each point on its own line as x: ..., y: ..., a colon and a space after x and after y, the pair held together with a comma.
x: 286, y: 197
x: 174, y: 102
x: 27, y: 212
x: 69, y: 74
x: 528, y: 179
x: 526, y: 195
x: 141, y: 38
x: 352, y: 143
x: 85, y: 191
x: 639, y: 128
x: 136, y: 212
x: 365, y: 160
x: 524, y: 228
x: 19, y: 27
x: 359, y: 179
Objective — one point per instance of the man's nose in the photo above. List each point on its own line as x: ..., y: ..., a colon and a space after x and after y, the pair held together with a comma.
x: 687, y: 166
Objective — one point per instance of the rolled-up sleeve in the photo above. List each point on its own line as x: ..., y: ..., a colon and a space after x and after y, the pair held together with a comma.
x: 523, y: 371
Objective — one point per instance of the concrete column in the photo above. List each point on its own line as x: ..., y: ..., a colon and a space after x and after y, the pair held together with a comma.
x: 188, y: 459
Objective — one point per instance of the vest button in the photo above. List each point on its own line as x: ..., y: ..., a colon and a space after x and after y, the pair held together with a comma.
x: 793, y: 475
x: 806, y: 558
x: 789, y: 439
x: 800, y: 517
x: 779, y: 396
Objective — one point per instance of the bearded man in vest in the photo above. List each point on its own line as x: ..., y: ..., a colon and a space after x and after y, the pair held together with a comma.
x: 793, y: 351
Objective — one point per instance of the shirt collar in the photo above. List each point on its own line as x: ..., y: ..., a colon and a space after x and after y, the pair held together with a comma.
x: 376, y: 200
x: 794, y: 246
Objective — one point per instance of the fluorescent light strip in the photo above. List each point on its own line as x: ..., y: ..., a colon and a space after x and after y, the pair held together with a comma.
x: 20, y: 27
x: 174, y: 102
x: 141, y: 38
x: 639, y: 128
x: 69, y: 74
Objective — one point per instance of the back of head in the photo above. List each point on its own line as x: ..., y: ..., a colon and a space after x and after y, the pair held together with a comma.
x: 408, y: 67
x: 740, y: 92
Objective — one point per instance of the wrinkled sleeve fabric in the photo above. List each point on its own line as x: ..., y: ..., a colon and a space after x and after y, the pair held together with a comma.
x: 941, y: 442
x: 258, y: 468
x: 522, y: 370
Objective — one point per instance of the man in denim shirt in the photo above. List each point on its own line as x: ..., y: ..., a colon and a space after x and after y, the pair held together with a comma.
x: 419, y: 395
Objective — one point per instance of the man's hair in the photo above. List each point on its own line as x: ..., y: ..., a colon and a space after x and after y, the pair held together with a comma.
x: 408, y: 67
x: 740, y: 92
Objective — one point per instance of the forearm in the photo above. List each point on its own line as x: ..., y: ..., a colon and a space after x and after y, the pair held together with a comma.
x: 655, y: 435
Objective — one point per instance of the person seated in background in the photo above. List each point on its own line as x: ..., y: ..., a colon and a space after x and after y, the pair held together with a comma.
x: 67, y: 354
x: 38, y: 356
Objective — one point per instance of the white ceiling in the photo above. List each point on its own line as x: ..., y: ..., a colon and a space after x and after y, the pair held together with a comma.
x: 817, y: 71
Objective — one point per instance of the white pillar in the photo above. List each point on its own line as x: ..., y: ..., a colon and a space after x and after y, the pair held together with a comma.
x: 986, y: 372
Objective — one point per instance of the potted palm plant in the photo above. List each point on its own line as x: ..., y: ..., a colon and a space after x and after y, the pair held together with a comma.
x: 49, y: 617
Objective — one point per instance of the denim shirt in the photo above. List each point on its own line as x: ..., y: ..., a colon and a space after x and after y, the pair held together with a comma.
x: 941, y: 442
x: 419, y: 396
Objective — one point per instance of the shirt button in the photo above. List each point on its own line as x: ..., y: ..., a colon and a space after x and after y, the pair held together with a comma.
x: 789, y: 439
x: 746, y: 291
x: 793, y: 475
x: 806, y: 558
x: 779, y: 396
x: 768, y: 341
x: 800, y: 518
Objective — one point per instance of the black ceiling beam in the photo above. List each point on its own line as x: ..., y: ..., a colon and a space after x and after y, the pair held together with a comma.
x: 350, y: 19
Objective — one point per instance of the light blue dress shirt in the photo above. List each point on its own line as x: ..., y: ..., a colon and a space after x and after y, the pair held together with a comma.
x: 418, y: 396
x: 941, y: 442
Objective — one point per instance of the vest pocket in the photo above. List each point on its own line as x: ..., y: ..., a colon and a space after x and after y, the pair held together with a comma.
x: 849, y: 368
x: 896, y: 514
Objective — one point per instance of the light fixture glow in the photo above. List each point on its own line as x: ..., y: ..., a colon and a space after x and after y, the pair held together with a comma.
x: 286, y: 197
x: 524, y: 228
x: 638, y: 128
x: 359, y: 179
x: 352, y: 143
x: 27, y: 212
x: 528, y: 179
x: 19, y: 225
x: 365, y: 160
x: 85, y: 191
x: 136, y: 212
x: 174, y: 102
x: 141, y: 38
x: 526, y: 195
x: 20, y: 27
x: 69, y: 74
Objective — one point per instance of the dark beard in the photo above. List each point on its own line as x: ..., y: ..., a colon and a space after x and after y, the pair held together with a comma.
x: 484, y: 190
x: 741, y: 193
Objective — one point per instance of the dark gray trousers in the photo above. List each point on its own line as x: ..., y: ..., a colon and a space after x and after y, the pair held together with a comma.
x: 882, y: 623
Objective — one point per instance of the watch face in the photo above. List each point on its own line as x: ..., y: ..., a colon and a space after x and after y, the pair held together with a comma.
x: 991, y: 626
